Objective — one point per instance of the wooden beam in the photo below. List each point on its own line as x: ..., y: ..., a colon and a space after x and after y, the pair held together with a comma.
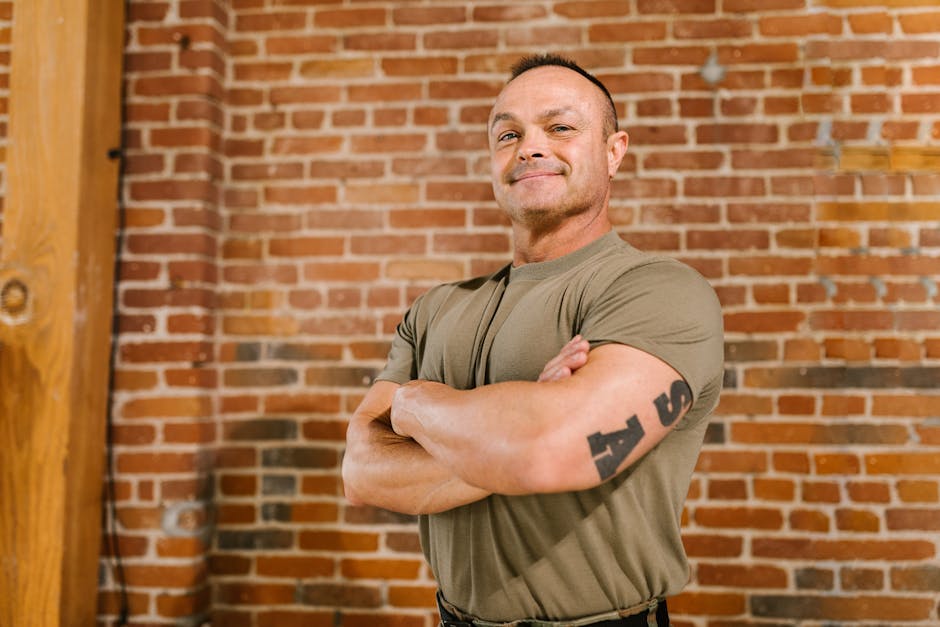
x: 56, y: 276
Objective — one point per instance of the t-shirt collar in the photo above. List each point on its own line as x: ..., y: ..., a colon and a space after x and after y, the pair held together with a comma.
x: 544, y: 269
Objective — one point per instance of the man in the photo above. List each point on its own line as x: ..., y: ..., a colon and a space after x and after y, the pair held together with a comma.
x: 544, y: 421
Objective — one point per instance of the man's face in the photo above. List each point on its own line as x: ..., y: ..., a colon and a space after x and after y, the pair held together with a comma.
x: 550, y: 154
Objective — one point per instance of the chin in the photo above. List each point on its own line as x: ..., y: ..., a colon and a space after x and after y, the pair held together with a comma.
x: 537, y: 218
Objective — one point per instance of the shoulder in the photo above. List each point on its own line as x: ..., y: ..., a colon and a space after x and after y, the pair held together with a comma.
x: 621, y: 267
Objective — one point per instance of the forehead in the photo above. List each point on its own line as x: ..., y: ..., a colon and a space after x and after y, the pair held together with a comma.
x: 547, y: 88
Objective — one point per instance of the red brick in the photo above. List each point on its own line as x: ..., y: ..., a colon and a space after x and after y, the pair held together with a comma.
x: 166, y: 351
x: 271, y: 21
x: 741, y: 576
x: 177, y: 86
x: 774, y: 489
x: 461, y: 40
x: 295, y: 567
x: 808, y: 520
x: 591, y: 8
x: 429, y: 15
x: 915, y: 491
x: 674, y: 55
x: 627, y: 31
x: 738, y: 239
x: 857, y: 521
x: 710, y: 603
x: 412, y: 596
x: 676, y: 6
x: 801, y: 25
x: 254, y: 593
x: 871, y: 23
x: 380, y: 568
x: 847, y: 464
x: 338, y: 541
x: 380, y: 41
x: 739, y: 517
x: 156, y: 462
x: 724, y: 186
x: 343, y: 18
x: 175, y: 407
x: 789, y: 548
x: 869, y: 492
x: 301, y: 44
x: 305, y: 246
x: 132, y: 435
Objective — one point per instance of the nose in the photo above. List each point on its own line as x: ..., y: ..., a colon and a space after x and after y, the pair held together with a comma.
x: 532, y: 146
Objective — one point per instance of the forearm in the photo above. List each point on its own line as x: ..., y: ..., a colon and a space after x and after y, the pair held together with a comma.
x: 383, y: 469
x: 495, y: 436
x: 559, y: 435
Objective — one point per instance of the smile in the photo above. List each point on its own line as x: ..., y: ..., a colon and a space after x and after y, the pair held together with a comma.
x: 534, y: 175
x: 524, y: 171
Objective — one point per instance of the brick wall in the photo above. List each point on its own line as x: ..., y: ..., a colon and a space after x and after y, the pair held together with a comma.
x: 297, y: 171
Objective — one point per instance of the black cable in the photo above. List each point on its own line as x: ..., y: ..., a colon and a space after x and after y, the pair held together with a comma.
x: 111, y: 516
x: 124, y: 611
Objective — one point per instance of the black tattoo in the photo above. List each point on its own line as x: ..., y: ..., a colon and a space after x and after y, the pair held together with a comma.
x: 609, y: 449
x: 680, y: 397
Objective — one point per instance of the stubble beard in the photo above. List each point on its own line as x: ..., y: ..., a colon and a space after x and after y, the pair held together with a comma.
x: 548, y: 214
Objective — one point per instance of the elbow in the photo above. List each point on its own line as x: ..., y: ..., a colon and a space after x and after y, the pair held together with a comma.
x: 352, y: 478
x: 349, y: 483
x: 353, y: 500
x: 352, y: 496
x: 352, y: 468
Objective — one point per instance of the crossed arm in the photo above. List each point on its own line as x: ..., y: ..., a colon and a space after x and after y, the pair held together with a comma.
x: 424, y: 447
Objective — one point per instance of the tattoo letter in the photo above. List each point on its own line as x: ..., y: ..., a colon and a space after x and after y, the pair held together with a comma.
x: 609, y: 449
x: 680, y: 397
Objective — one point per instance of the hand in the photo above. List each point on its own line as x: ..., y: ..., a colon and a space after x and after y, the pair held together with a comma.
x: 405, y: 404
x: 572, y: 356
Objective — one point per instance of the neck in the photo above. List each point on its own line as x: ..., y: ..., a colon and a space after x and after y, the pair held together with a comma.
x: 535, y: 245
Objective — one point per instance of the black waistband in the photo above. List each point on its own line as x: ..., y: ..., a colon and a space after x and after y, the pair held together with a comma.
x: 643, y: 619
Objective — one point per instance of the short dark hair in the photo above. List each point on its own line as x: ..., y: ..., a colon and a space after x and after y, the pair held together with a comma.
x: 541, y: 60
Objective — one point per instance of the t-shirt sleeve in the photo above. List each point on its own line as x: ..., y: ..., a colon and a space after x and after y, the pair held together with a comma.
x: 668, y: 310
x: 402, y: 364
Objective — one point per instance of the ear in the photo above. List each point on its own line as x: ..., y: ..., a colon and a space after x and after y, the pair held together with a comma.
x: 616, y: 149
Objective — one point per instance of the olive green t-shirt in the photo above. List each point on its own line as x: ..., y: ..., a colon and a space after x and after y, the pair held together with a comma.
x: 572, y: 554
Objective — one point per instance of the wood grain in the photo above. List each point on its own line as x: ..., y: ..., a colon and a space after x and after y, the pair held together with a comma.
x: 57, y: 268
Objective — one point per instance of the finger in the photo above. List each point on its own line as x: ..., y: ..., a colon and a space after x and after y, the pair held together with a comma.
x: 573, y: 343
x: 565, y: 364
x: 573, y: 347
x: 556, y: 374
x: 571, y: 356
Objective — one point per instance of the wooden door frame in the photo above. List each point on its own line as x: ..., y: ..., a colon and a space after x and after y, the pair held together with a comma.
x: 56, y: 281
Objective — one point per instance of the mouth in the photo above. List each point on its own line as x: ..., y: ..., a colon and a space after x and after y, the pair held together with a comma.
x: 533, y: 175
x: 522, y: 173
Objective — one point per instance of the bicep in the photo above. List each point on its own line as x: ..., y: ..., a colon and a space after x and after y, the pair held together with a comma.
x: 622, y: 403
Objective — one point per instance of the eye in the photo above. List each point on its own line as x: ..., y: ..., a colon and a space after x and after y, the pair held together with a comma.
x: 507, y: 136
x: 561, y: 128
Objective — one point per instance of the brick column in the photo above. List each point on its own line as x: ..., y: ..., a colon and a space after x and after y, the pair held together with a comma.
x: 167, y: 368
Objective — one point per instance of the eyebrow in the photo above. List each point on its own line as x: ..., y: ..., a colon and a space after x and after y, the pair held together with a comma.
x: 544, y: 115
x: 499, y: 117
